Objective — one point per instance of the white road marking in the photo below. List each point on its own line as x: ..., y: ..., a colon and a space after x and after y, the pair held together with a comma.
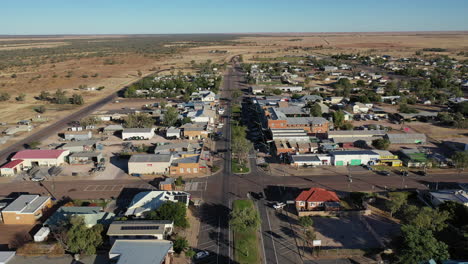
x: 219, y: 232
x: 261, y: 238
x: 272, y: 240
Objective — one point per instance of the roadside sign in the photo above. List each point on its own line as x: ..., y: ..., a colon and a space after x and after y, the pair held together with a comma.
x: 289, y: 202
x: 317, y: 243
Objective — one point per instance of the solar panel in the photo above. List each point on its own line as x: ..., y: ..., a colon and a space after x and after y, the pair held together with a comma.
x: 139, y: 227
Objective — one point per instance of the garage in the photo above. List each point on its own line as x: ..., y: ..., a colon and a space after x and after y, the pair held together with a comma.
x: 339, y: 163
x: 355, y: 162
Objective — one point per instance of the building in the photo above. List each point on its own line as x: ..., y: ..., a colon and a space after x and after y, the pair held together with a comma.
x: 92, y: 215
x: 289, y: 89
x: 360, y: 108
x: 80, y: 146
x: 152, y: 200
x: 78, y: 135
x: 353, y: 157
x: 26, y: 209
x: 149, y: 164
x: 41, y: 157
x: 356, y: 133
x: 167, y: 185
x: 388, y: 158
x: 458, y: 196
x: 112, y: 129
x: 317, y: 199
x: 6, y: 256
x: 85, y: 157
x: 173, y: 133
x: 140, y: 229
x: 188, y: 165
x: 279, y: 120
x: 137, y: 133
x: 413, y: 158
x: 11, y: 168
x: 406, y: 138
x: 257, y: 89
x: 194, y: 131
x: 141, y: 252
x: 16, y: 129
x: 303, y: 160
x: 204, y: 96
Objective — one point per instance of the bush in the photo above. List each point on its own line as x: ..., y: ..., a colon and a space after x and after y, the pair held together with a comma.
x: 4, y: 96
x: 179, y: 181
x: 40, y: 109
x: 180, y: 244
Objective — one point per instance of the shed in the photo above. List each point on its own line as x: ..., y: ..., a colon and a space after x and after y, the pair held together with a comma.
x: 84, y: 157
x: 78, y: 135
x: 406, y: 138
x: 80, y: 146
x: 140, y: 133
x: 173, y: 132
x: 149, y: 163
x: 42, y: 234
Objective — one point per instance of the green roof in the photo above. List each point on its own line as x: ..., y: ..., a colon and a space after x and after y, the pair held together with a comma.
x: 92, y: 215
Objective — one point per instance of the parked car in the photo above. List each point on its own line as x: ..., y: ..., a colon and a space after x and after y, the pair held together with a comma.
x: 367, y: 167
x: 384, y: 173
x: 202, y: 254
x: 422, y: 173
x: 404, y: 173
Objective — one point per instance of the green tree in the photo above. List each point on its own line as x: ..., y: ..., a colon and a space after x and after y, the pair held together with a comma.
x: 244, y: 218
x: 21, y: 97
x: 396, y: 201
x: 277, y: 91
x: 338, y: 118
x: 315, y: 110
x: 236, y: 94
x: 139, y: 73
x: 75, y: 237
x: 60, y: 97
x: 89, y: 121
x: 138, y: 120
x: 460, y: 158
x: 44, y: 96
x: 130, y: 92
x: 306, y: 221
x: 40, y: 109
x: 418, y: 245
x: 458, y: 213
x: 427, y: 218
x: 241, y: 147
x: 404, y: 108
x: 381, y: 143
x: 77, y: 99
x: 4, y: 96
x: 180, y: 244
x: 170, y: 116
x: 347, y: 126
x: 176, y: 212
x: 190, y: 253
x: 179, y: 181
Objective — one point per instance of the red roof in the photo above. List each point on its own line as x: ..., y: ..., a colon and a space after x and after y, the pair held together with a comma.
x: 38, y: 154
x: 318, y: 195
x: 12, y: 164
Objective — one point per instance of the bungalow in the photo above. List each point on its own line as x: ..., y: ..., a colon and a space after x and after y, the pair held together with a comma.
x: 353, y: 157
x: 137, y: 133
x: 11, y: 168
x: 152, y: 200
x: 141, y: 251
x: 316, y: 199
x: 173, y: 133
x: 458, y: 196
x: 41, y: 157
x: 140, y: 229
x: 92, y: 215
x: 149, y: 164
x: 188, y: 165
x: 26, y: 209
x: 77, y: 135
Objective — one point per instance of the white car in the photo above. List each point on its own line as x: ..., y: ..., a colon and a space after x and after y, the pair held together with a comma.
x: 202, y: 254
x: 279, y: 206
x: 220, y: 125
x: 37, y: 179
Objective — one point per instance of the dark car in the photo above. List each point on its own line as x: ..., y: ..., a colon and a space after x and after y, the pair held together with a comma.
x: 404, y: 173
x: 422, y: 173
x: 384, y: 173
x: 367, y: 167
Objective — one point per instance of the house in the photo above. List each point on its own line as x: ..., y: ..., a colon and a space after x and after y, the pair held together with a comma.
x: 330, y: 68
x: 167, y: 185
x: 92, y: 215
x: 204, y: 96
x: 441, y: 196
x: 202, y: 116
x: 173, y: 133
x: 26, y: 209
x: 137, y: 133
x: 188, y: 165
x: 257, y: 89
x: 360, y: 108
x: 80, y: 146
x: 11, y: 168
x: 302, y: 160
x: 77, y: 135
x: 289, y: 89
x: 316, y: 199
x: 140, y: 230
x: 413, y: 158
x: 379, y: 90
x: 16, y: 129
x: 141, y: 252
x: 353, y: 157
x: 85, y: 157
x: 41, y: 157
x: 195, y: 131
x: 152, y: 200
x: 406, y: 138
x: 112, y: 129
x: 149, y: 164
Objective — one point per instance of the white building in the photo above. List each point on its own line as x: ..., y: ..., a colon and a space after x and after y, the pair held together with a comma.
x: 41, y: 157
x: 152, y: 200
x: 173, y: 132
x: 149, y: 164
x: 353, y: 157
x: 143, y: 133
x: 439, y: 197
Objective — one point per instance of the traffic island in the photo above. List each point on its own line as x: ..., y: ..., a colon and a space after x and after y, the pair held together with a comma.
x: 245, y: 222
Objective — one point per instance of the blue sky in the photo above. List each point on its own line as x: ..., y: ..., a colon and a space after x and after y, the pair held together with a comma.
x: 224, y: 16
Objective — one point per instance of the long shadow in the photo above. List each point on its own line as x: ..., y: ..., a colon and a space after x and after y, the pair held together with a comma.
x: 126, y: 196
x: 213, y: 257
x: 214, y: 215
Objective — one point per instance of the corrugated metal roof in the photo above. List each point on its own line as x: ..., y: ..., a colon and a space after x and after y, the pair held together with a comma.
x: 140, y: 251
x: 151, y: 158
x: 38, y: 154
x: 12, y: 163
x: 26, y: 204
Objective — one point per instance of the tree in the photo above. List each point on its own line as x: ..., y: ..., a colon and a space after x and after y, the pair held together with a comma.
x: 180, y: 244
x: 176, y: 212
x: 338, y: 118
x: 315, y: 110
x: 347, y: 126
x: 236, y: 94
x: 21, y: 97
x: 44, y: 96
x: 277, y: 91
x: 404, y: 108
x: 460, y: 158
x: 240, y: 147
x: 418, y: 245
x: 426, y: 218
x: 305, y: 221
x: 33, y: 145
x: 75, y: 237
x: 170, y: 116
x: 458, y: 213
x: 190, y: 253
x: 77, y: 99
x: 397, y: 200
x: 179, y: 181
x: 130, y: 92
x: 60, y: 97
x: 89, y: 121
x: 381, y: 143
x: 4, y: 96
x: 40, y: 109
x: 244, y: 218
x: 138, y: 120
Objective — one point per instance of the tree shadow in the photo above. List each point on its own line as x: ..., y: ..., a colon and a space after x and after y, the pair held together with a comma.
x: 19, y: 239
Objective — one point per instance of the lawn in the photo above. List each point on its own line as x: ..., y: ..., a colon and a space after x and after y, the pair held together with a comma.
x: 246, y: 250
x: 238, y: 168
